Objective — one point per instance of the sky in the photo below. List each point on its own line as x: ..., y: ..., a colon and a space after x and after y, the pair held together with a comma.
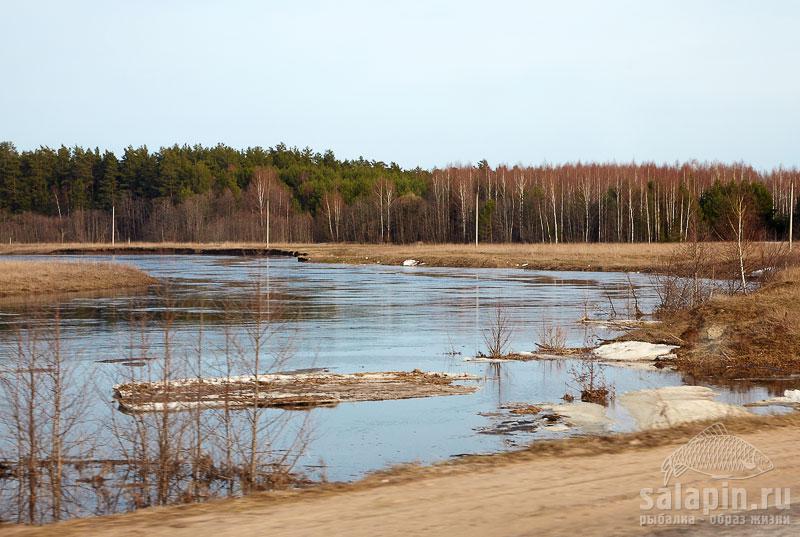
x: 425, y: 83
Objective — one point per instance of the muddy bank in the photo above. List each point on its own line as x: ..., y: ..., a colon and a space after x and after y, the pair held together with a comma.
x: 619, y: 324
x: 236, y: 250
x: 300, y: 390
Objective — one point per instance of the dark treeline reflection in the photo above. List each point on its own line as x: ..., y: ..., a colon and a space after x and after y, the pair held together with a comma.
x: 196, y: 193
x: 66, y: 451
x: 183, y: 306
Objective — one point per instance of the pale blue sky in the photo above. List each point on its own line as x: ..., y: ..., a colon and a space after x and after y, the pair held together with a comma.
x: 418, y: 82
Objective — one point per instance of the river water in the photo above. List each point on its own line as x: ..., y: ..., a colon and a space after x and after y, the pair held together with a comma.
x: 364, y: 318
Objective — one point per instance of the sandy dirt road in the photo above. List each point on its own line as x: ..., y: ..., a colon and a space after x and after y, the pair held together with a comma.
x: 542, y: 495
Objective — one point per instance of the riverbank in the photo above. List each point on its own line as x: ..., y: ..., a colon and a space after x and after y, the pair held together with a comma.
x: 21, y: 279
x: 576, y: 256
x: 586, y: 486
x: 737, y: 337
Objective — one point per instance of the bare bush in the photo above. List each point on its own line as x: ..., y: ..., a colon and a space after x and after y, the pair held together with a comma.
x: 634, y: 311
x: 552, y: 338
x: 498, y: 334
x: 688, y: 279
x: 591, y: 383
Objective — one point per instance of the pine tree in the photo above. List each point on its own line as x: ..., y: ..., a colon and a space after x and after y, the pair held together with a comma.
x: 9, y: 177
x: 106, y: 180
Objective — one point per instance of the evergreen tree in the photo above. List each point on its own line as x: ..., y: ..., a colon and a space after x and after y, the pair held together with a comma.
x: 80, y: 180
x: 9, y: 177
x: 106, y: 181
x: 139, y: 173
x: 38, y: 176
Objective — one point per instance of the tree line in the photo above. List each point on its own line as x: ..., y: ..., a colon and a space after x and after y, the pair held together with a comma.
x: 283, y: 194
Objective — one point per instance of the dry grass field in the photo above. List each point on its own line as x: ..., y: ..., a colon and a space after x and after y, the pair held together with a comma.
x: 573, y: 256
x: 603, y: 257
x: 26, y: 278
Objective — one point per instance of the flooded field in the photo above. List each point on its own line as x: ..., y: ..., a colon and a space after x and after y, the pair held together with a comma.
x: 349, y: 319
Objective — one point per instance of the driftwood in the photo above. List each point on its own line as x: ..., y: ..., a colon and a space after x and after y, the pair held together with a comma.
x: 294, y: 391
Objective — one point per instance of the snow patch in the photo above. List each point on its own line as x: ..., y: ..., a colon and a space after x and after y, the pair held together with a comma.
x: 590, y: 417
x: 666, y: 407
x: 632, y: 351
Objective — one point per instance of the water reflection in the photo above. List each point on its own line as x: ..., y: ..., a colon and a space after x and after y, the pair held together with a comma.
x: 347, y: 319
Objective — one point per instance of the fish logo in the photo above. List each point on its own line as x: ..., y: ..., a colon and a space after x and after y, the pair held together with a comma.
x: 716, y: 453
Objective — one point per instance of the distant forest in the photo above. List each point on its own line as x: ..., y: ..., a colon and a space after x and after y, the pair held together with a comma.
x: 205, y: 194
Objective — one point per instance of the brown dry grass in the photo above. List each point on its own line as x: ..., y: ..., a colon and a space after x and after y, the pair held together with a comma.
x: 737, y: 336
x: 573, y: 256
x: 26, y: 278
x: 601, y: 257
x: 643, y: 257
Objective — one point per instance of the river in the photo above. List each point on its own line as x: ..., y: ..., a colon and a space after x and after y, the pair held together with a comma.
x: 349, y: 319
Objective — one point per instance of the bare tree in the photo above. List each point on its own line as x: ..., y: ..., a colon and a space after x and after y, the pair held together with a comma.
x: 791, y: 213
x: 332, y: 204
x: 42, y: 406
x: 739, y: 221
x: 261, y: 186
